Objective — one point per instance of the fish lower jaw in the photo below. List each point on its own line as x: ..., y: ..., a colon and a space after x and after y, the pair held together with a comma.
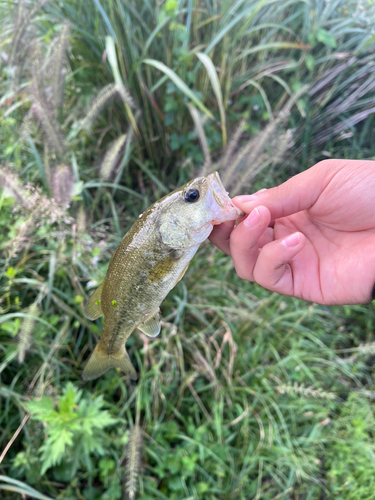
x: 231, y: 215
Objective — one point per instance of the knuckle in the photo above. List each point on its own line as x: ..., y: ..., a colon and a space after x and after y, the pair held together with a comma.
x: 324, y: 164
x: 244, y: 274
x: 266, y: 253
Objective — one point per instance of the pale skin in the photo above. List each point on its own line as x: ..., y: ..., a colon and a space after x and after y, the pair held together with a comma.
x: 312, y: 237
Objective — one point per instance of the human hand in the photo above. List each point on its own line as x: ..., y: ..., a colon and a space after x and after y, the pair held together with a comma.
x: 312, y: 237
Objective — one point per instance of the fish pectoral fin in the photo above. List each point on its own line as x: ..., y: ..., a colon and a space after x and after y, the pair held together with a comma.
x: 151, y: 327
x: 100, y: 362
x: 93, y: 308
x: 182, y: 274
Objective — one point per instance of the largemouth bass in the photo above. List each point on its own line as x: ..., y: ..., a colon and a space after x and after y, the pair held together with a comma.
x: 149, y: 261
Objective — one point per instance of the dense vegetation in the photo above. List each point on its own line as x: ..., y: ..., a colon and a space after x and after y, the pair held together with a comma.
x: 106, y: 105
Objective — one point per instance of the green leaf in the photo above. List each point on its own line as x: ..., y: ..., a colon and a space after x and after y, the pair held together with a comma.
x: 172, y: 463
x: 54, y: 448
x: 10, y: 272
x: 202, y: 487
x: 180, y: 84
x: 70, y: 399
x: 77, y: 188
x: 326, y: 37
x: 6, y: 199
x: 175, y: 484
x: 40, y: 409
x: 11, y: 327
x: 171, y: 6
x: 310, y: 62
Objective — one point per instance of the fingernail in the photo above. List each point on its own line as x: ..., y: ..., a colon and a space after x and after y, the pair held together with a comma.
x: 292, y: 240
x: 254, y: 219
x: 249, y: 197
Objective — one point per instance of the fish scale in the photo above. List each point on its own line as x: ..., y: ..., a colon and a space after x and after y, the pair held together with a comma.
x: 150, y: 259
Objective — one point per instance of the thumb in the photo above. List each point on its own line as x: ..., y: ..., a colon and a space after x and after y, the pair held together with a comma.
x: 298, y: 193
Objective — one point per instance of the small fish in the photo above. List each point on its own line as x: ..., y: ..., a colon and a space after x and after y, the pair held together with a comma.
x: 149, y: 261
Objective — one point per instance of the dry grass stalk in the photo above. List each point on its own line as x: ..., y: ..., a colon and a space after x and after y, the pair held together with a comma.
x: 202, y: 139
x: 21, y: 24
x: 252, y: 158
x: 33, y: 208
x: 229, y: 150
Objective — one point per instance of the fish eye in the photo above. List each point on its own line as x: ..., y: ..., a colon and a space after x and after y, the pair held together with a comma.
x: 192, y: 195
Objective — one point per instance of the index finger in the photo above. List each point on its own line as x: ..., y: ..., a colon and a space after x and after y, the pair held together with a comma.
x: 296, y: 194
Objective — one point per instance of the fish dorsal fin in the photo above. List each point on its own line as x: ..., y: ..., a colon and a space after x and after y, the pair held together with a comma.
x: 93, y: 309
x: 151, y: 327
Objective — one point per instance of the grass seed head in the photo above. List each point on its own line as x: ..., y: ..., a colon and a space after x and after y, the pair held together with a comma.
x: 57, y: 67
x: 62, y: 184
x: 111, y: 158
x: 24, y: 337
x: 104, y: 97
x: 133, y: 461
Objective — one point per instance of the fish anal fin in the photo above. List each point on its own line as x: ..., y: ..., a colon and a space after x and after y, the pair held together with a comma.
x: 100, y: 362
x: 93, y: 308
x: 151, y: 327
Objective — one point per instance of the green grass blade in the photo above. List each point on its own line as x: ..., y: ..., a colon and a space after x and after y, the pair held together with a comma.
x: 153, y: 177
x: 245, y: 15
x: 200, y: 131
x: 38, y: 161
x: 152, y: 36
x: 51, y: 274
x: 112, y: 58
x: 93, y: 183
x: 274, y: 45
x: 263, y: 94
x: 211, y: 71
x: 180, y: 84
x: 105, y: 19
x: 21, y: 488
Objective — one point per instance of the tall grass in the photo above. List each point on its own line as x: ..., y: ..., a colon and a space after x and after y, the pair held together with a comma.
x: 262, y: 51
x: 245, y: 394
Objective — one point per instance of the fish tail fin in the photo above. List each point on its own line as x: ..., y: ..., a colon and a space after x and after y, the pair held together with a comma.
x: 100, y: 362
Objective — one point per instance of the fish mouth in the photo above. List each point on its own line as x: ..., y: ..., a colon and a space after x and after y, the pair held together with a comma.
x: 220, y: 204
